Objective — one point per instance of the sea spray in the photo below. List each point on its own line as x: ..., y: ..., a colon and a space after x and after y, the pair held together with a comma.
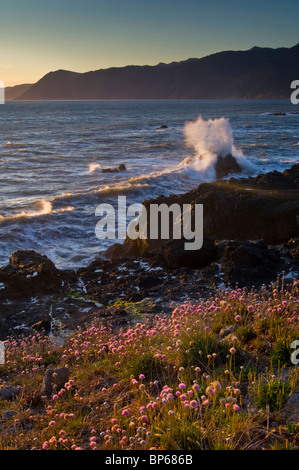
x: 94, y: 167
x: 211, y: 139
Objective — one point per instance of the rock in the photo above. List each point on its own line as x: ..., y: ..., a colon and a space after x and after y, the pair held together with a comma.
x: 122, y: 167
x: 292, y: 172
x: 226, y: 165
x: 146, y: 281
x: 115, y: 251
x: 27, y: 258
x: 176, y: 256
x: 227, y: 330
x: 250, y: 262
x: 163, y: 126
x: 210, y: 273
x: 290, y: 411
x: 43, y: 325
x: 235, y: 210
x: 289, y: 179
x: 54, y: 380
x: 265, y: 207
x: 293, y: 246
x: 29, y: 274
x: 9, y: 414
x: 9, y: 392
x: 110, y: 170
x: 130, y: 249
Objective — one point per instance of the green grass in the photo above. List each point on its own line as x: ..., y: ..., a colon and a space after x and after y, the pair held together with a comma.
x: 165, y: 382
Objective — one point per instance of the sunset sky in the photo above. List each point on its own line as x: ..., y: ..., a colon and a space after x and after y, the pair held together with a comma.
x: 38, y: 36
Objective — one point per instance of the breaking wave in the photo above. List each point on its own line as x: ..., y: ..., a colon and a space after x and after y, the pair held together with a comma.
x: 41, y: 208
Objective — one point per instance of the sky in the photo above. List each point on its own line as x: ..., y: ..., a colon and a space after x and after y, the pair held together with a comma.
x: 38, y: 36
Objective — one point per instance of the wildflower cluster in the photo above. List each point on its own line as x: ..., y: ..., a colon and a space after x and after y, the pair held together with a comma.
x: 195, y: 379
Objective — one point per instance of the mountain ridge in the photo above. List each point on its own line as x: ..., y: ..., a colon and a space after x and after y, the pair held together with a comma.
x: 258, y: 73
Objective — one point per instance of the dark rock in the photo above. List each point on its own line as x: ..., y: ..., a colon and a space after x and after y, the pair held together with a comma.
x: 292, y: 172
x: 147, y: 281
x: 265, y: 207
x: 290, y: 411
x: 68, y: 276
x: 294, y: 248
x: 122, y: 167
x: 54, y: 380
x: 226, y: 165
x: 43, y: 325
x: 176, y: 256
x: 227, y: 330
x: 115, y: 251
x: 9, y: 392
x: 110, y: 170
x: 289, y: 179
x: 130, y: 249
x: 30, y: 273
x: 210, y: 273
x: 9, y: 414
x: 27, y: 258
x: 250, y: 263
x: 236, y: 210
x: 163, y: 126
x: 262, y: 208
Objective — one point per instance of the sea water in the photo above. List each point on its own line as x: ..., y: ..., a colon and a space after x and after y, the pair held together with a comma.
x: 52, y: 156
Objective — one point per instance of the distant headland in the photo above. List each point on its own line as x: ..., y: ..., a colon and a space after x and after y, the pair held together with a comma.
x: 258, y: 73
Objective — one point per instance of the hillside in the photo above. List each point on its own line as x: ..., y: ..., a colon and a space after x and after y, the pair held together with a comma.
x: 13, y: 92
x: 253, y: 74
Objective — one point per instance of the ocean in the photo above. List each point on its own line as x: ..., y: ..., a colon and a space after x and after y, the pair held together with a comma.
x: 52, y: 155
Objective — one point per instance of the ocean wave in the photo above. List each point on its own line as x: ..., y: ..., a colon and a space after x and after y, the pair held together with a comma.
x: 265, y: 144
x: 42, y: 207
x: 125, y: 188
x: 128, y: 186
x: 163, y: 145
x: 30, y: 159
x: 288, y: 161
x: 17, y: 144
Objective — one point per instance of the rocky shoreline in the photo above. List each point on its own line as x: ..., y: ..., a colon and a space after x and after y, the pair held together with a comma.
x: 251, y: 237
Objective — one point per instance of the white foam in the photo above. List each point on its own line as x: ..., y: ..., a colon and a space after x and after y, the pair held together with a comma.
x: 94, y: 167
x: 211, y: 138
x: 43, y: 208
